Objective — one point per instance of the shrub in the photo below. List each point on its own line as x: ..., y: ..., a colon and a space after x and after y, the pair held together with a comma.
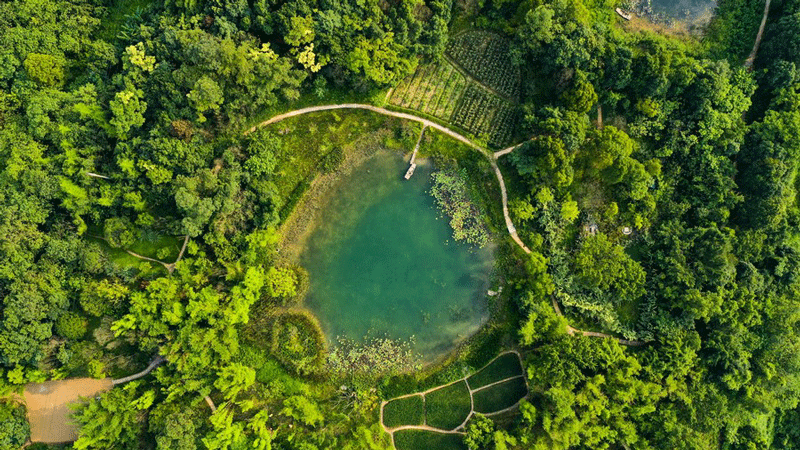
x: 281, y: 282
x: 44, y: 69
x: 71, y: 325
x: 119, y: 232
x: 450, y: 191
x: 15, y: 429
x: 298, y: 342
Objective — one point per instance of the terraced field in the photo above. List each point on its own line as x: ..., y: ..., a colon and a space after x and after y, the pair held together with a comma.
x: 485, y: 57
x: 437, y: 418
x: 442, y: 90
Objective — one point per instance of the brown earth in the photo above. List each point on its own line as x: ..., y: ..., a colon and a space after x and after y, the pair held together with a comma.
x: 48, y: 407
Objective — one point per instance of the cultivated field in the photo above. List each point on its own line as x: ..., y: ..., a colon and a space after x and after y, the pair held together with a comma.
x: 485, y: 57
x: 441, y: 90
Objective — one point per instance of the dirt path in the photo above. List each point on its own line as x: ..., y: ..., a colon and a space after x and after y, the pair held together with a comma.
x: 48, y: 407
x: 752, y: 58
x: 512, y: 231
x: 492, y: 157
x: 460, y: 429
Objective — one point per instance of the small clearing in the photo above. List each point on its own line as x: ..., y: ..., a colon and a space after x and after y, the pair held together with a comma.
x: 48, y: 407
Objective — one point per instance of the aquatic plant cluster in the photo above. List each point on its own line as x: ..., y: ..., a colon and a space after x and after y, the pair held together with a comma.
x: 452, y: 197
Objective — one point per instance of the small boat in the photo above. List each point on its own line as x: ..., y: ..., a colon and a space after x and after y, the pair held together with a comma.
x: 623, y: 14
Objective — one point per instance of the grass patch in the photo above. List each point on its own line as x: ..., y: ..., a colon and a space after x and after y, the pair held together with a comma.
x: 404, y: 411
x: 424, y: 440
x: 500, y: 396
x: 448, y: 407
x: 505, y: 366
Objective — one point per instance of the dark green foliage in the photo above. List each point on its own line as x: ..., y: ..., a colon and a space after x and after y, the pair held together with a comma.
x: 404, y: 411
x: 500, y: 396
x: 15, y: 429
x: 419, y: 439
x: 505, y: 366
x: 448, y: 406
x: 298, y: 342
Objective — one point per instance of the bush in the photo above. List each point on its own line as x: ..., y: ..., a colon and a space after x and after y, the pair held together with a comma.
x: 298, y: 342
x: 332, y: 160
x: 119, y: 232
x: 71, y: 325
x: 281, y: 282
x: 15, y: 429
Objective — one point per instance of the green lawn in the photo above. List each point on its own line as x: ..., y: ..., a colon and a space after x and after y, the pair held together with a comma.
x: 404, y: 411
x: 505, y: 366
x: 427, y: 440
x: 447, y: 407
x: 500, y: 396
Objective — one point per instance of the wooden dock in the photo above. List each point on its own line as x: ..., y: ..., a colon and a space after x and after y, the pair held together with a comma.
x: 412, y: 163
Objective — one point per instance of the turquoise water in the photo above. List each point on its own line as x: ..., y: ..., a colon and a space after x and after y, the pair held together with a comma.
x: 383, y: 263
x: 689, y: 11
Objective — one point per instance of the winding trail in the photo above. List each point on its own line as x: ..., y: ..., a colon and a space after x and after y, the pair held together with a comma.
x: 460, y: 429
x: 492, y: 157
x: 153, y: 364
x: 512, y: 231
x: 752, y: 58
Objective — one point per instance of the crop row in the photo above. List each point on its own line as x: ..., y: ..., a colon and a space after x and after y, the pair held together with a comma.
x: 476, y: 110
x: 432, y: 89
x: 485, y: 56
x: 503, y: 126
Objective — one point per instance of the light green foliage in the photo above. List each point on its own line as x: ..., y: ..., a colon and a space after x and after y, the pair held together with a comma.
x: 380, y: 60
x: 479, y: 433
x: 205, y: 95
x: 604, y: 265
x: 101, y: 297
x: 127, y: 109
x: 71, y: 325
x: 45, y: 69
x: 233, y: 379
x: 281, y: 282
x: 15, y: 429
x: 115, y: 420
x: 303, y: 410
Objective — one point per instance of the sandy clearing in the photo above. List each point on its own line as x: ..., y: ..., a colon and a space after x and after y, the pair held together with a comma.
x: 48, y: 407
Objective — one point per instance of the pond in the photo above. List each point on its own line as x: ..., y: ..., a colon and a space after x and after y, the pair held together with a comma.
x: 382, y: 262
x: 690, y: 12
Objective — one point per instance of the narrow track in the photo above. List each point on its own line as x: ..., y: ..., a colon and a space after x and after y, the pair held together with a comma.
x: 492, y: 157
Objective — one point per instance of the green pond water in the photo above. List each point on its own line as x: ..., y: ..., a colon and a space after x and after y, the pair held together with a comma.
x: 382, y: 262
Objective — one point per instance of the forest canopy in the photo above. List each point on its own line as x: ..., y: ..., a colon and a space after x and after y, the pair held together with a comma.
x: 655, y: 186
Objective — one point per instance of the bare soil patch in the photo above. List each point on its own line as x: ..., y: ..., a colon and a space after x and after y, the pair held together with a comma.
x: 48, y: 407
